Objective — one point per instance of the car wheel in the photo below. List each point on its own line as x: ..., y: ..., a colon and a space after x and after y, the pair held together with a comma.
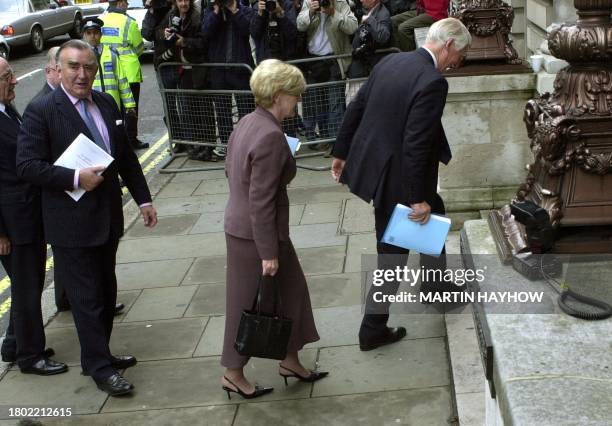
x: 36, y: 39
x: 4, y: 51
x: 76, y: 29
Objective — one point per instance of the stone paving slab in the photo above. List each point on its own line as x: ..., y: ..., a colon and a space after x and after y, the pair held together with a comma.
x: 198, y: 176
x: 409, y: 364
x: 209, y: 222
x: 178, y: 189
x: 339, y: 326
x: 357, y: 217
x: 208, y: 300
x: 334, y: 290
x: 318, y: 235
x: 321, y: 260
x: 166, y: 248
x: 167, y: 225
x: 465, y: 355
x: 310, y: 178
x: 211, y: 343
x: 145, y: 340
x: 471, y: 407
x: 206, y: 270
x: 328, y: 194
x: 421, y: 407
x: 212, y: 186
x: 359, y: 245
x: 64, y: 318
x: 191, y: 205
x: 321, y: 213
x: 161, y: 303
x: 222, y: 415
x: 69, y: 389
x: 161, y: 273
x: 197, y: 382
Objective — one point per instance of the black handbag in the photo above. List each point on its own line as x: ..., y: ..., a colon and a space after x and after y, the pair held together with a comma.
x: 264, y: 335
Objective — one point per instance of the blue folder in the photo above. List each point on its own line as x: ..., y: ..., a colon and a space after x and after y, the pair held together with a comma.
x: 294, y: 144
x: 426, y: 239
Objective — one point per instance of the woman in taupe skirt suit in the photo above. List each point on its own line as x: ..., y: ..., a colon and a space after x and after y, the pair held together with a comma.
x: 259, y: 165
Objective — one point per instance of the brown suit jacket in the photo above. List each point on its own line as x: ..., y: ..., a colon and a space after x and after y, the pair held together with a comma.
x: 259, y: 165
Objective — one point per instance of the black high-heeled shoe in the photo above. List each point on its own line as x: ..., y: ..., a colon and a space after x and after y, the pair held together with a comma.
x: 259, y: 390
x: 312, y: 377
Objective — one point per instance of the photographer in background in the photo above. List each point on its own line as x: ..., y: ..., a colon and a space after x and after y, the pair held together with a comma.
x: 327, y: 23
x: 178, y: 38
x: 274, y: 29
x: 373, y: 33
x: 226, y: 26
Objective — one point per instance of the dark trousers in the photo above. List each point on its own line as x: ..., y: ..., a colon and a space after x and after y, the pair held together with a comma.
x: 131, y: 121
x: 88, y: 274
x: 25, y: 267
x: 324, y: 106
x: 389, y: 257
x: 225, y: 117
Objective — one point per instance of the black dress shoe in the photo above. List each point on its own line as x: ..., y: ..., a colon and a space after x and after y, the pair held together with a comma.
x: 138, y: 144
x: 391, y: 336
x: 119, y: 307
x: 45, y: 367
x: 12, y: 356
x: 123, y: 361
x: 115, y: 385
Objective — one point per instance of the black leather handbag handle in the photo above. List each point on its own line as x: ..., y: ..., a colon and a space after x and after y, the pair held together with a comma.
x: 277, y: 307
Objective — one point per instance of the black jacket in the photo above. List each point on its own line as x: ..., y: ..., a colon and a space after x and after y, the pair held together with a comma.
x: 49, y: 126
x: 46, y: 89
x: 392, y: 149
x: 287, y: 30
x: 20, y: 211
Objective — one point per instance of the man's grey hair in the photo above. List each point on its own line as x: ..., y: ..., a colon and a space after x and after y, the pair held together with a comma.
x: 53, y: 56
x: 446, y: 29
x: 73, y: 44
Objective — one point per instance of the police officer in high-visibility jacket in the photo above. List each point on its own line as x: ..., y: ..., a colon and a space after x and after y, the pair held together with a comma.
x: 121, y: 32
x: 110, y: 78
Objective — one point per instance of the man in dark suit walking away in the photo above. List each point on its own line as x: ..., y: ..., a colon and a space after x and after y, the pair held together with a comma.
x: 84, y: 234
x: 388, y: 153
x: 22, y: 246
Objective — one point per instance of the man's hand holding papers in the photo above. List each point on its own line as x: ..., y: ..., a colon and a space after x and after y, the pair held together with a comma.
x: 89, y: 178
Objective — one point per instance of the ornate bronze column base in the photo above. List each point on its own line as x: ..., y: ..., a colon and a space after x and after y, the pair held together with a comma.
x: 489, y: 23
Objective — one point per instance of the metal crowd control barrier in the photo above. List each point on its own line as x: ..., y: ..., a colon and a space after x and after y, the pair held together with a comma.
x: 206, y: 118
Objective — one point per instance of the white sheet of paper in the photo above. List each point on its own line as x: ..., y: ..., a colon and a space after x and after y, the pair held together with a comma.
x: 83, y: 153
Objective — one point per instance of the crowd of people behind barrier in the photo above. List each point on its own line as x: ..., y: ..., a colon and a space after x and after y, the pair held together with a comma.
x: 314, y: 32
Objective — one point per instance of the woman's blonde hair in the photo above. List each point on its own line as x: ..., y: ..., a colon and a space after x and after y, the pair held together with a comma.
x: 273, y: 76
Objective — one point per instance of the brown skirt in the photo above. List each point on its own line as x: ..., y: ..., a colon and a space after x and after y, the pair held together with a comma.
x: 243, y: 272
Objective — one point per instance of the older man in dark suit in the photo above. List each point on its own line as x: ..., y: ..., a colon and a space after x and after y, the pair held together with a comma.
x: 52, y: 76
x: 22, y: 246
x: 84, y: 234
x: 388, y: 153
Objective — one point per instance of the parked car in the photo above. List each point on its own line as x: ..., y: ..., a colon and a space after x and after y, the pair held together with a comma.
x: 91, y: 8
x: 5, y: 49
x: 32, y: 22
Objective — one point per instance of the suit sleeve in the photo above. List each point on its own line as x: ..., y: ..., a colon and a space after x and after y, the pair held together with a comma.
x: 350, y: 123
x: 128, y: 165
x: 34, y: 153
x: 267, y: 160
x: 419, y: 132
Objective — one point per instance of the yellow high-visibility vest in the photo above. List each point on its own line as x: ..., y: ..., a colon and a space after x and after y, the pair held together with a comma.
x: 111, y: 79
x: 121, y: 33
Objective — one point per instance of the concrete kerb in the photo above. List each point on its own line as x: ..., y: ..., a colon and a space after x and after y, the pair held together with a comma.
x: 131, y: 213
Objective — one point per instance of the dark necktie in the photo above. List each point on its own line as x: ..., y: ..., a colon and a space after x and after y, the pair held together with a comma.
x: 91, y: 124
x: 10, y: 111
